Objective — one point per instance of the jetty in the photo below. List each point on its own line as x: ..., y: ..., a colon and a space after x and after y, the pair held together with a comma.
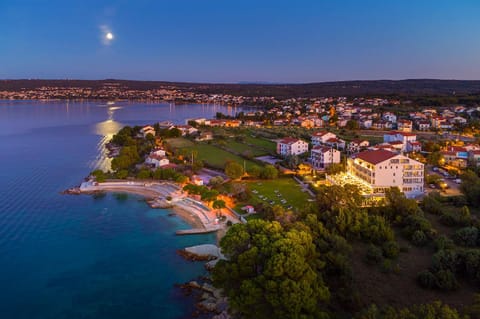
x: 195, y: 231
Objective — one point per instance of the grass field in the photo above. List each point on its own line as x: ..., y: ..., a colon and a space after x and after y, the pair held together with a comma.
x: 242, y: 147
x: 261, y: 142
x: 179, y: 142
x: 209, y: 153
x: 267, y: 191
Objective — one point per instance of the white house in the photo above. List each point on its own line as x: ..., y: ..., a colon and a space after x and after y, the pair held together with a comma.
x: 357, y: 145
x: 403, y: 137
x: 383, y: 169
x: 158, y: 152
x: 414, y: 146
x: 157, y: 161
x: 390, y: 117
x: 319, y: 138
x: 322, y: 156
x: 335, y: 142
x: 147, y: 130
x: 405, y: 125
x: 291, y: 146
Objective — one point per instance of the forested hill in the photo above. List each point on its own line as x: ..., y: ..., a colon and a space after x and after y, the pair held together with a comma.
x: 418, y: 87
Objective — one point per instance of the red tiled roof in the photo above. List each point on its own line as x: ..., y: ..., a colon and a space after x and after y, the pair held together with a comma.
x: 396, y: 143
x: 319, y: 134
x: 375, y: 157
x: 289, y: 140
x: 322, y: 149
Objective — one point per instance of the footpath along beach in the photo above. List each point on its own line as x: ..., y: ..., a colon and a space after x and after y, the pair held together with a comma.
x: 165, y: 195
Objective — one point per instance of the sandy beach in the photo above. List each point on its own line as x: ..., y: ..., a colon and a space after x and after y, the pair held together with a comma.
x: 195, y: 213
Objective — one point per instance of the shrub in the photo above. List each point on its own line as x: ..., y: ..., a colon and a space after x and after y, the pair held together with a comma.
x: 122, y: 174
x: 443, y: 242
x: 446, y: 280
x: 448, y: 219
x: 426, y: 279
x: 466, y: 236
x: 386, y: 266
x: 391, y: 249
x: 471, y: 263
x: 446, y: 259
x: 419, y: 238
x: 374, y: 254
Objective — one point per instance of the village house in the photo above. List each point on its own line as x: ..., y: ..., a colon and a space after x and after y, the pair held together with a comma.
x: 147, y: 130
x: 404, y: 125
x: 456, y: 156
x: 205, y: 136
x: 322, y: 156
x: 357, y: 145
x: 157, y: 161
x: 402, y: 137
x: 423, y: 125
x: 319, y: 138
x: 291, y: 146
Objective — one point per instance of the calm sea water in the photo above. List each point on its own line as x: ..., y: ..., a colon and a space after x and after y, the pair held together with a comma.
x: 79, y: 256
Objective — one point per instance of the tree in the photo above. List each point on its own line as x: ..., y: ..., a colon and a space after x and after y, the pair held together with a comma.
x: 218, y: 204
x: 144, y: 174
x: 269, y: 172
x: 335, y: 197
x: 99, y: 175
x: 352, y: 125
x: 233, y: 170
x: 470, y: 187
x: 271, y: 272
x: 434, y: 158
x: 335, y: 168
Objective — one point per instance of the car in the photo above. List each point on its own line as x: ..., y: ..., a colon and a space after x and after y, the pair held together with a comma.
x: 458, y: 181
x: 432, y: 186
x: 435, y: 169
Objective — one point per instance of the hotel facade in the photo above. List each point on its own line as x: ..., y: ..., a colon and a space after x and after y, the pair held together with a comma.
x: 382, y: 169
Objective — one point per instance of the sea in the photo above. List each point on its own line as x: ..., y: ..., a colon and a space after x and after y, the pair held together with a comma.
x: 66, y: 256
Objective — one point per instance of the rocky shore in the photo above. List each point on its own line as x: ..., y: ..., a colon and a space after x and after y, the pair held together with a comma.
x: 209, y: 300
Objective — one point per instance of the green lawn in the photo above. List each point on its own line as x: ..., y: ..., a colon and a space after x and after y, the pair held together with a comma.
x: 242, y: 147
x: 179, y: 142
x: 262, y: 143
x: 276, y: 190
x: 209, y: 153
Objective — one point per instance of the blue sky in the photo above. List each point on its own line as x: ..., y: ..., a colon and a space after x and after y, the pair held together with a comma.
x: 232, y: 41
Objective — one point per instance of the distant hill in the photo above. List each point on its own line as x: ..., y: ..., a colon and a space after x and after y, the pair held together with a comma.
x: 417, y: 87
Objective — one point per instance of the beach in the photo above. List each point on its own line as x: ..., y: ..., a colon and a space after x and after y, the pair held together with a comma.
x: 167, y: 195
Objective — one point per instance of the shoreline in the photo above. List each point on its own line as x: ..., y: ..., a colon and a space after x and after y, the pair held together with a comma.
x: 197, y: 214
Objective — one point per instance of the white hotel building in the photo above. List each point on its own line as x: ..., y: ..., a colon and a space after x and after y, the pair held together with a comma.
x: 383, y: 169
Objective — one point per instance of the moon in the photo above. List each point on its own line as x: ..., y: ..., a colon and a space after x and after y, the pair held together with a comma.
x: 109, y: 36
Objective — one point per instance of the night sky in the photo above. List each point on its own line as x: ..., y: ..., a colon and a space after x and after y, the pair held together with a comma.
x: 240, y: 40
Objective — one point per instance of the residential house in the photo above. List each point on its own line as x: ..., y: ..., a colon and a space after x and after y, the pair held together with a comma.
x: 322, y: 156
x: 157, y: 161
x: 319, y: 138
x: 291, y: 146
x: 404, y: 125
x: 357, y: 145
x: 403, y: 137
x: 147, y: 130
